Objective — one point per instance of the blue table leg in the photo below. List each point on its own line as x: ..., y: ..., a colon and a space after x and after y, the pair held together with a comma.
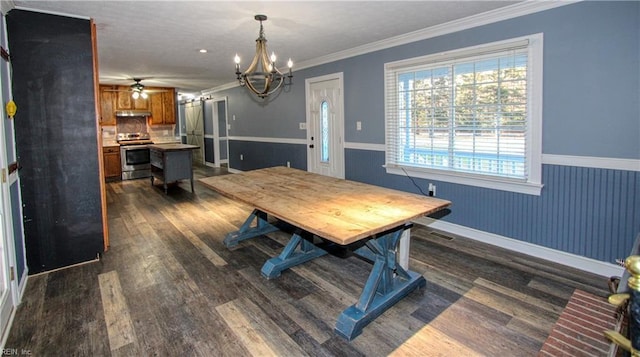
x: 297, y: 251
x: 387, y: 284
x: 247, y: 231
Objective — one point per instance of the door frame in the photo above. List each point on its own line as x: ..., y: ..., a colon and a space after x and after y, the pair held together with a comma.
x: 339, y: 124
x: 216, y: 129
x: 9, y: 269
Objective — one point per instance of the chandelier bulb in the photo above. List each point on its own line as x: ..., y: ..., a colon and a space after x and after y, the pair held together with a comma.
x: 273, y: 57
x: 289, y: 63
x: 236, y: 59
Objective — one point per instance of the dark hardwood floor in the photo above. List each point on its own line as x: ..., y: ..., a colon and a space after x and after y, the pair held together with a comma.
x: 169, y: 287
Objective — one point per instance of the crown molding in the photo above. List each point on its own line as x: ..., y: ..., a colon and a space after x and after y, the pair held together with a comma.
x: 504, y: 13
x: 501, y: 14
x: 6, y: 6
x: 25, y: 8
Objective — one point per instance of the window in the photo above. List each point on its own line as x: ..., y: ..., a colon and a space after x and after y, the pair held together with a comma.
x: 469, y: 116
x: 324, y: 131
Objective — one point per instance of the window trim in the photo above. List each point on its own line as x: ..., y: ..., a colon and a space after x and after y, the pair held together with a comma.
x: 533, y: 185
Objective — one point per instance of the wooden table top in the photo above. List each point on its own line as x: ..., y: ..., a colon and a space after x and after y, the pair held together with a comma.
x: 340, y: 210
x: 172, y: 147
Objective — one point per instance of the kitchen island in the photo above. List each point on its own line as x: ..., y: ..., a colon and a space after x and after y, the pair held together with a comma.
x: 171, y: 162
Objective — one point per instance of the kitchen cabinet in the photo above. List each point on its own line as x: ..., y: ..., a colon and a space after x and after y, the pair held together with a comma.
x: 124, y: 100
x: 163, y: 107
x: 107, y: 105
x: 171, y: 162
x: 112, y: 165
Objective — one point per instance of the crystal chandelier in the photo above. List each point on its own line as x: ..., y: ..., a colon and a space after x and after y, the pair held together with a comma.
x: 262, y: 77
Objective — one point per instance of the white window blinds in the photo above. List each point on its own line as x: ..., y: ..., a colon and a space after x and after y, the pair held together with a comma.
x: 464, y: 111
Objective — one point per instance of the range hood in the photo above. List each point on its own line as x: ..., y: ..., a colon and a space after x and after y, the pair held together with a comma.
x: 133, y: 113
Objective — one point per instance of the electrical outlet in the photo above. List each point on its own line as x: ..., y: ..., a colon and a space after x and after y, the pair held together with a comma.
x: 303, y: 126
x: 288, y: 164
x: 358, y: 125
x: 241, y: 157
x: 432, y: 189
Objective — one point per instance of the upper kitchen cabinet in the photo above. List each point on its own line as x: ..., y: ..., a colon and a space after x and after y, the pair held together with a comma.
x: 107, y: 105
x: 163, y: 107
x: 124, y: 101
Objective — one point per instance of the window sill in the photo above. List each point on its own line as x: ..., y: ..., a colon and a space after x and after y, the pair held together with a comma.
x: 494, y: 183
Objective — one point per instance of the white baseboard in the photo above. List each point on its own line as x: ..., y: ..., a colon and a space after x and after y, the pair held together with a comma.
x: 572, y: 260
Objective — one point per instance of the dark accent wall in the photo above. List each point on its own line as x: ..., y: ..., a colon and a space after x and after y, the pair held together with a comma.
x: 56, y: 138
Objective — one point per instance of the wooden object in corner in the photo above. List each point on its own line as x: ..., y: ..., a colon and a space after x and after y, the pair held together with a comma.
x: 112, y: 166
x: 107, y: 105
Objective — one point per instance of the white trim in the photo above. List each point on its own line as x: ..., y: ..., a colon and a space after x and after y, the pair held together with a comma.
x: 268, y: 140
x: 505, y: 13
x: 576, y: 261
x: 208, y: 136
x: 5, y: 7
x: 547, y: 159
x: 338, y: 165
x: 485, y: 18
x: 470, y: 180
x: 365, y: 146
x: 532, y: 183
x: 52, y: 12
x: 222, y: 87
x: 234, y: 171
x: 593, y: 162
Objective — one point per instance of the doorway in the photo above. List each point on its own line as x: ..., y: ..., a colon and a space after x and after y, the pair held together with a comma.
x: 194, y: 123
x: 215, y: 126
x: 325, y: 125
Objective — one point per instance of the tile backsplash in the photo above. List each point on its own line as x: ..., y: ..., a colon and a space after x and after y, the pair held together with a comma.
x: 131, y: 124
x: 159, y: 133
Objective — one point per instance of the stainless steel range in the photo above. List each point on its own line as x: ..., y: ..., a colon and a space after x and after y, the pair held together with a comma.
x: 134, y: 155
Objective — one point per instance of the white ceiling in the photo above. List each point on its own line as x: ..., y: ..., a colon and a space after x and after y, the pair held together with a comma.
x: 159, y: 40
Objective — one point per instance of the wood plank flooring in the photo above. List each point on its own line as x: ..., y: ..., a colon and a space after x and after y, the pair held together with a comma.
x: 169, y: 287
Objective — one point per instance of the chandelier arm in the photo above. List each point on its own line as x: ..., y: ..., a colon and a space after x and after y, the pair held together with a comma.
x: 260, y: 93
x: 280, y: 82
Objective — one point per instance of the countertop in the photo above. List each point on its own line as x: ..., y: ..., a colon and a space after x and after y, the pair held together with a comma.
x: 172, y: 147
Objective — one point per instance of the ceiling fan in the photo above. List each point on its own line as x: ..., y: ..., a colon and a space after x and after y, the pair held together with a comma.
x: 138, y: 89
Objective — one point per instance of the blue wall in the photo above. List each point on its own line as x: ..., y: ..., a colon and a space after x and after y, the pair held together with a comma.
x: 590, y: 108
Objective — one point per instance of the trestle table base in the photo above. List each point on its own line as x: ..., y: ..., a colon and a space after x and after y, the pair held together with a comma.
x: 387, y: 283
x: 297, y: 251
x: 248, y: 231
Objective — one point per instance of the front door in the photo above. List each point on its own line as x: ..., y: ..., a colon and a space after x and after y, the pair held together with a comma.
x: 325, y: 125
x: 195, y: 129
